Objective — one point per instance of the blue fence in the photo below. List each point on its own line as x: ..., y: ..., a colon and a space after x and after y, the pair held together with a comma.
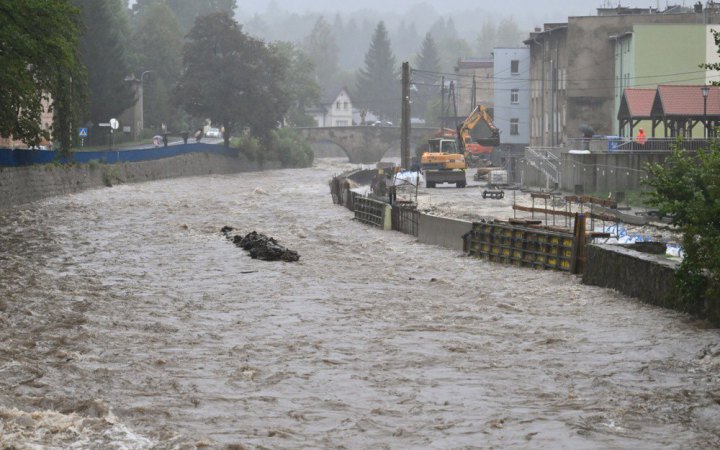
x: 25, y: 157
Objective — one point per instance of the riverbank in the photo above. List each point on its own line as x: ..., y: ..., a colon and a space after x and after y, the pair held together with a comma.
x: 22, y: 185
x: 443, y: 216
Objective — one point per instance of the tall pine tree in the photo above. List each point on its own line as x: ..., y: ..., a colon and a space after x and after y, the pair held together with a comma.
x: 378, y: 83
x: 428, y: 60
x: 322, y: 50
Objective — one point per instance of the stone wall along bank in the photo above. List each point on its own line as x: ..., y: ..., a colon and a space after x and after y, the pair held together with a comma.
x: 648, y: 277
x: 20, y: 185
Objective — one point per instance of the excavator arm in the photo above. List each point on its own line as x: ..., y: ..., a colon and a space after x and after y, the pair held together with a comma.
x: 478, y: 114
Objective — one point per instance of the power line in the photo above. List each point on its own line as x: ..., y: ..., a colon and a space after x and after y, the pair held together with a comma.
x: 541, y: 79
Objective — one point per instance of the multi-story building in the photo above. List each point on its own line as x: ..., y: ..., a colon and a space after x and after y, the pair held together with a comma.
x: 511, y: 77
x: 573, y: 71
x: 474, y: 85
x: 653, y: 54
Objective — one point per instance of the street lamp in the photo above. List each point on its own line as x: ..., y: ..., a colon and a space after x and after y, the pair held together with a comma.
x: 142, y: 99
x: 705, y: 91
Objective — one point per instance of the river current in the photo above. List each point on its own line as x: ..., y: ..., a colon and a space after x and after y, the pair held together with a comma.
x: 127, y: 320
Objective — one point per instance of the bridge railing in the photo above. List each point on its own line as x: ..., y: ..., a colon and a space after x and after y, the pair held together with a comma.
x: 26, y: 157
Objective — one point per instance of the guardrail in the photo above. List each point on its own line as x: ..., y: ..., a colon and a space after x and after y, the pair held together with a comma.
x: 27, y: 157
x: 546, y: 161
x: 613, y: 144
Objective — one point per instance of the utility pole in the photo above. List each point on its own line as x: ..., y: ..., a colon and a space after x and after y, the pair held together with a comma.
x: 405, y: 121
x: 442, y: 102
x: 454, y: 103
x: 473, y: 96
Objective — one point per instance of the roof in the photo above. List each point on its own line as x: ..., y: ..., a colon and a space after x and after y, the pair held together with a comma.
x: 636, y: 103
x: 686, y: 101
x: 330, y: 94
x: 479, y: 63
x: 546, y: 31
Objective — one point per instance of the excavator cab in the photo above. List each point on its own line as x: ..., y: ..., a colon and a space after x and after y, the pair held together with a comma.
x: 442, y: 146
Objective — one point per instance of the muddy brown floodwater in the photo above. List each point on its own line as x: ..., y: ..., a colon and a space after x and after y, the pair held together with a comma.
x: 128, y: 321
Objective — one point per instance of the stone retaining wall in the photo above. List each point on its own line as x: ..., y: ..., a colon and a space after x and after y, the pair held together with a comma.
x: 19, y: 185
x: 648, y: 277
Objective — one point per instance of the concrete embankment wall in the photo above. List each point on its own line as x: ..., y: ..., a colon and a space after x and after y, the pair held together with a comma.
x: 598, y: 172
x: 442, y: 231
x: 650, y: 278
x: 20, y: 185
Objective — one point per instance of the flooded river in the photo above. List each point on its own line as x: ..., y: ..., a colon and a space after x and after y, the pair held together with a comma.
x: 128, y: 321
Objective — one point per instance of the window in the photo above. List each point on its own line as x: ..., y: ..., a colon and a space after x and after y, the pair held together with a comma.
x: 341, y: 123
x: 514, y: 127
x: 514, y: 66
x: 515, y: 96
x: 345, y: 106
x: 337, y: 105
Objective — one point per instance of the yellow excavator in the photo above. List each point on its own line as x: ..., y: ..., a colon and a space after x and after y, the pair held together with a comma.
x: 443, y: 163
x: 476, y: 149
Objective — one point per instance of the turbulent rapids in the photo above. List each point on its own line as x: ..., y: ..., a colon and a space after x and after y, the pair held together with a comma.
x: 128, y: 321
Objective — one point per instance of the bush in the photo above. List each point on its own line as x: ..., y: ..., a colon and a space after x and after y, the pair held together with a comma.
x: 250, y: 147
x: 687, y: 189
x: 286, y: 146
x: 291, y: 149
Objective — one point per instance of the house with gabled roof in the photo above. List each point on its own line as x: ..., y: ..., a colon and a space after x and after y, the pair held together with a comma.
x: 670, y: 110
x: 635, y: 107
x: 334, y: 109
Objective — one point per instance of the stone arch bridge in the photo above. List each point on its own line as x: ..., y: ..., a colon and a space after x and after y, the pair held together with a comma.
x: 366, y: 144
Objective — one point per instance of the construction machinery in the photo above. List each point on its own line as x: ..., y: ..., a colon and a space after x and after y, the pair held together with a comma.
x: 450, y: 150
x: 442, y: 163
x: 477, y: 149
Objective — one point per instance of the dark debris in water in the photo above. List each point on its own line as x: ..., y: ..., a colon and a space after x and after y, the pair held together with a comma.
x: 261, y: 246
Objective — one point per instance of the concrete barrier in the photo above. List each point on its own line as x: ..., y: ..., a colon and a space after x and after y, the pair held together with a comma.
x: 442, y: 231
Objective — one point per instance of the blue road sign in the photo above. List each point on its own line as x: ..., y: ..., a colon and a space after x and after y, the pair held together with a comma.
x: 82, y: 132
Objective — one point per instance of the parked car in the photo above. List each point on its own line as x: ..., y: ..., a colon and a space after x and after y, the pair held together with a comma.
x: 213, y: 133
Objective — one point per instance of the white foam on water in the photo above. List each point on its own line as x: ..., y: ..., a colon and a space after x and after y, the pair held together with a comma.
x: 51, y: 429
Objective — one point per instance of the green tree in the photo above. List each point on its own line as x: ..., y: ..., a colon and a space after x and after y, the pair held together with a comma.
x: 300, y: 86
x: 687, y: 188
x: 104, y: 51
x: 40, y: 67
x: 378, y: 84
x: 321, y: 48
x: 231, y: 78
x: 157, y: 43
x: 428, y: 60
x: 487, y: 38
x: 187, y: 11
x: 508, y: 33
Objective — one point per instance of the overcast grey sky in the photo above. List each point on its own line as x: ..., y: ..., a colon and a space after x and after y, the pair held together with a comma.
x: 524, y: 10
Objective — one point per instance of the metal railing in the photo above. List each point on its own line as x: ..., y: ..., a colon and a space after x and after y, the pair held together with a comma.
x: 610, y: 144
x: 546, y: 160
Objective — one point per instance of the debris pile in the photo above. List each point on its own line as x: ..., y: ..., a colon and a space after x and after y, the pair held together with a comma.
x: 261, y: 246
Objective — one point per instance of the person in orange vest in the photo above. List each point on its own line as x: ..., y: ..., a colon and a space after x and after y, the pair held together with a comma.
x: 641, y: 138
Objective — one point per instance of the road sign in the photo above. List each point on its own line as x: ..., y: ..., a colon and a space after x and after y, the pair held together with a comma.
x: 114, y: 124
x: 82, y: 132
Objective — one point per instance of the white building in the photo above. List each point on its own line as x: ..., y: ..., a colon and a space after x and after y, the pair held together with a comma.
x: 334, y: 110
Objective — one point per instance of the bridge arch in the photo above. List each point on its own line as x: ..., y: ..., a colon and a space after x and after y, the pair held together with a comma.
x: 364, y: 144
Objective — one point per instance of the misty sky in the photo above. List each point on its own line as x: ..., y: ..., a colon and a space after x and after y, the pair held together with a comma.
x: 533, y: 12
